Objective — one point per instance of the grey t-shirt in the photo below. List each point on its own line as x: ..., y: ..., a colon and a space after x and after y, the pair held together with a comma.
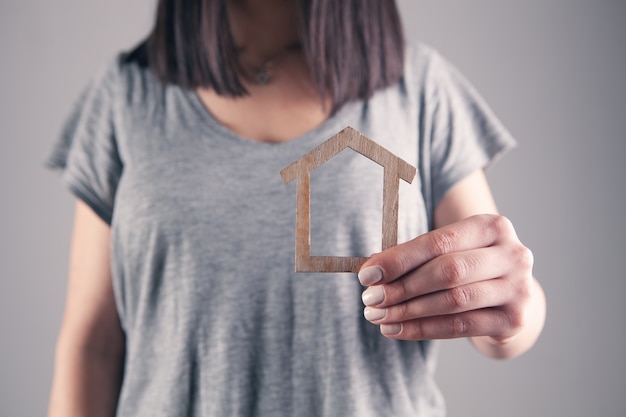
x: 217, y: 322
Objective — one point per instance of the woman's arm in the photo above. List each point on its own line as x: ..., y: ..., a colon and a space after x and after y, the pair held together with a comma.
x: 90, y: 346
x: 470, y: 277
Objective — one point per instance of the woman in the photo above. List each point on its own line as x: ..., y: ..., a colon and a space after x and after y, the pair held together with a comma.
x: 181, y: 297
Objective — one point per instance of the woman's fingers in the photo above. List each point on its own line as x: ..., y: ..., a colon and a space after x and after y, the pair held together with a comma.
x: 469, y: 297
x: 495, y: 322
x: 443, y: 273
x: 474, y: 232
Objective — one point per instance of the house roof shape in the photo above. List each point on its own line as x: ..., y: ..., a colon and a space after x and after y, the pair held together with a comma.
x: 353, y: 139
x: 395, y: 169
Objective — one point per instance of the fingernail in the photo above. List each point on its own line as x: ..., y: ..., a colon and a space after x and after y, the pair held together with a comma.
x: 373, y: 296
x: 373, y: 314
x: 390, y: 329
x: 370, y: 275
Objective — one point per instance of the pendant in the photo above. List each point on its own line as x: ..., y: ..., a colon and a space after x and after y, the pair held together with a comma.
x: 262, y: 77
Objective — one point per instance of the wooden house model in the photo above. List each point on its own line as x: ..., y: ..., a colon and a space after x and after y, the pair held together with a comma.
x: 395, y: 169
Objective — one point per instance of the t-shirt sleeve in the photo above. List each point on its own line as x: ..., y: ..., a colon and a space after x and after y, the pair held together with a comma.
x: 465, y: 134
x: 86, y: 151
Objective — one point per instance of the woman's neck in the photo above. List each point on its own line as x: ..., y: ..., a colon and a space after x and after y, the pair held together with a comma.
x: 287, y: 105
x: 263, y: 29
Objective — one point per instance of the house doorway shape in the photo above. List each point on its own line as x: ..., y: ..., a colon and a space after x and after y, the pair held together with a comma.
x: 394, y: 168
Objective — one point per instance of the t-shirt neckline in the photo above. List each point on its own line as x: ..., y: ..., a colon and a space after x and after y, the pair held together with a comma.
x: 326, y: 129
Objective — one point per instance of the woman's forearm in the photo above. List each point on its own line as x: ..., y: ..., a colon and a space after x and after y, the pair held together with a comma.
x: 86, y: 381
x: 91, y: 345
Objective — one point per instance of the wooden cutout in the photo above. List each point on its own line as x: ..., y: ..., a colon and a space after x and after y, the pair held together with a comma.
x: 394, y: 170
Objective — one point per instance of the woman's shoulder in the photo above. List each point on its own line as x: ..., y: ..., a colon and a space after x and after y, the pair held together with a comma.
x: 422, y: 59
x: 125, y: 75
x: 427, y: 71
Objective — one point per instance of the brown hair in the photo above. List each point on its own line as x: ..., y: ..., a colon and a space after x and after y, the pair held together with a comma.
x: 352, y: 47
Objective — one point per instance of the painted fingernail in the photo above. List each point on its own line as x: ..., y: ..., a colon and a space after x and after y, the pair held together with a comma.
x: 373, y: 296
x: 373, y: 314
x: 370, y: 275
x: 390, y: 329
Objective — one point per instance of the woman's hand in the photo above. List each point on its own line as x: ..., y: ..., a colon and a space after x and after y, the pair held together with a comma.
x: 472, y: 278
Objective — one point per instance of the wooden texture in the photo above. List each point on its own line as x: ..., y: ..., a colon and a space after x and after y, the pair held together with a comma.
x: 395, y: 169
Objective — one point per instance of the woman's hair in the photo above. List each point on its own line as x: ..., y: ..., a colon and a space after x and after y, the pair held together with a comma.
x: 352, y: 47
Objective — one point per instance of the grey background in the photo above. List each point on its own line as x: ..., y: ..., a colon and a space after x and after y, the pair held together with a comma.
x: 553, y: 70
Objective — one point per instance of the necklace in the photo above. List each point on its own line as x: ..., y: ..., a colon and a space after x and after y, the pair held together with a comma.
x: 262, y: 74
